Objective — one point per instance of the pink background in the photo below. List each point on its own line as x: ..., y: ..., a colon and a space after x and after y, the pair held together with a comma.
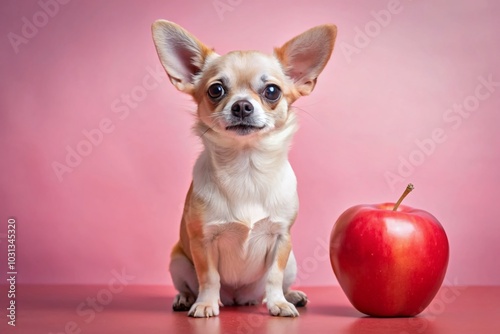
x: 119, y: 208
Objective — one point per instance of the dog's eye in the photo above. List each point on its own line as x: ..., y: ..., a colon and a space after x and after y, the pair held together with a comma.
x: 216, y: 91
x: 272, y: 93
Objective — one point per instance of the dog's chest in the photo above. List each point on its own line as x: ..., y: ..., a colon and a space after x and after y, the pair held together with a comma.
x: 248, y: 202
x: 244, y: 253
x: 245, y: 191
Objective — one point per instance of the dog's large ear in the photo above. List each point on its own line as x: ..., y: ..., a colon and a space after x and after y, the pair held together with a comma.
x: 181, y: 54
x: 306, y: 55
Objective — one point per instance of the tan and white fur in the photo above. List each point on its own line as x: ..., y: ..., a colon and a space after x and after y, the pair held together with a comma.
x: 235, y: 246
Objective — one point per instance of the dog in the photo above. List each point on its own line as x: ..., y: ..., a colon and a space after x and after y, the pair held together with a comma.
x: 235, y: 245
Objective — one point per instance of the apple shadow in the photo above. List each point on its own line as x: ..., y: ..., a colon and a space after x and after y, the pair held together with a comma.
x: 332, y: 310
x: 389, y: 325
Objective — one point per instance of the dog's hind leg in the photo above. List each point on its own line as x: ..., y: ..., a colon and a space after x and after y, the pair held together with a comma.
x: 184, y: 279
x: 297, y: 298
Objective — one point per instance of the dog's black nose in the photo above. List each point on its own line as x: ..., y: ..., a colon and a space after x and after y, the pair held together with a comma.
x: 242, y: 109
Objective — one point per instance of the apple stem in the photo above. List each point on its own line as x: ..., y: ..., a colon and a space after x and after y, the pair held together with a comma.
x: 408, y: 189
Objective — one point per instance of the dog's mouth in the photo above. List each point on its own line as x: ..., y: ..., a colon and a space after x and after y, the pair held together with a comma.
x: 244, y: 129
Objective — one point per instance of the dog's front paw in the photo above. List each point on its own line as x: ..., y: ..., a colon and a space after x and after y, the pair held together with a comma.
x: 183, y: 302
x: 204, y: 310
x: 282, y: 309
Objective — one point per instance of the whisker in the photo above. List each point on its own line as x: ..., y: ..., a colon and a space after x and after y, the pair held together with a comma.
x: 214, y: 118
x: 306, y: 112
x: 208, y: 128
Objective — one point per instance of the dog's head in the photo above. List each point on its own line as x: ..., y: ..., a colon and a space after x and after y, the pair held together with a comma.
x: 243, y: 93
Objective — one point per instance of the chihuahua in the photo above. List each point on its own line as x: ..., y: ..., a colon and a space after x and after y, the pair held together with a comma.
x: 235, y: 245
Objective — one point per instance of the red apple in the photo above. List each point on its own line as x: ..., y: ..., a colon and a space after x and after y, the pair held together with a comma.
x: 390, y: 260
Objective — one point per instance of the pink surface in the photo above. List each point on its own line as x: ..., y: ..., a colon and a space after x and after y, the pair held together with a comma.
x: 147, y: 309
x: 405, y: 100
